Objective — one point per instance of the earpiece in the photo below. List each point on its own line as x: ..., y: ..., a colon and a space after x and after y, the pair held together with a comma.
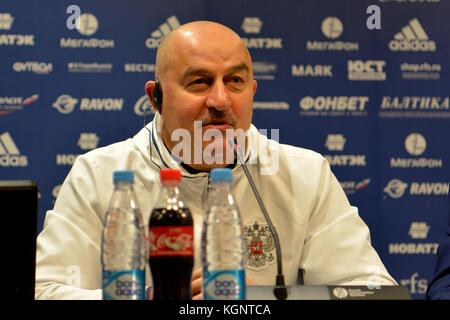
x: 157, y: 95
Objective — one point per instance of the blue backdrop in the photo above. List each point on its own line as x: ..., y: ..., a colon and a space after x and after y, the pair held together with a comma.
x: 375, y: 102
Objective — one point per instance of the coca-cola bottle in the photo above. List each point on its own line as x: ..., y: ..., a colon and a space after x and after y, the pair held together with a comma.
x: 171, y: 236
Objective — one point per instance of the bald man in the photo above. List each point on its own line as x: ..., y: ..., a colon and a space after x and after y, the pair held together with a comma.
x: 203, y: 94
x: 205, y: 72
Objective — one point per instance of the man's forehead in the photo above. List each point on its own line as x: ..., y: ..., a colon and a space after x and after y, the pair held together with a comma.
x: 193, y: 71
x: 184, y: 45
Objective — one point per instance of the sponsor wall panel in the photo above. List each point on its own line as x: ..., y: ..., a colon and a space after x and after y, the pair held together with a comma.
x: 373, y: 102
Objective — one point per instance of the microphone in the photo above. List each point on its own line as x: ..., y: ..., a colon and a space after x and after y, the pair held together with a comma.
x: 280, y: 290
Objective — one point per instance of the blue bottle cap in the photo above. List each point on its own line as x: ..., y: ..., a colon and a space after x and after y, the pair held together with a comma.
x: 221, y: 174
x: 124, y: 175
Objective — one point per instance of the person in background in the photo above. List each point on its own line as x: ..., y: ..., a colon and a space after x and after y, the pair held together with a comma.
x: 439, y: 286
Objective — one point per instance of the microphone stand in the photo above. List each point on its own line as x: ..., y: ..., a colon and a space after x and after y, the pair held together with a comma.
x: 280, y: 290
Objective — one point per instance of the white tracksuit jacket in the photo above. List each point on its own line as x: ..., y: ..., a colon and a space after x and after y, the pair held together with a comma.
x: 319, y: 231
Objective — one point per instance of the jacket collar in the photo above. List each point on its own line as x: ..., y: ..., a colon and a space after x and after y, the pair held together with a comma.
x: 160, y: 155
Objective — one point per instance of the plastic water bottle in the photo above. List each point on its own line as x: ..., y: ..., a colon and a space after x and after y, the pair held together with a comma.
x: 223, y: 244
x: 124, y: 248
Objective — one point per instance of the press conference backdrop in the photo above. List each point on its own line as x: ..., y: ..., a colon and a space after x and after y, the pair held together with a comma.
x: 369, y: 91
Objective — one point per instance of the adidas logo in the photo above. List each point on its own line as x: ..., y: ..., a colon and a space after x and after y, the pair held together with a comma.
x: 163, y: 30
x: 412, y: 38
x: 9, y: 153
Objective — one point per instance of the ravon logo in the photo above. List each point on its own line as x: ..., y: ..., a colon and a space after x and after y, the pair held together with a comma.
x: 65, y: 104
x: 395, y: 188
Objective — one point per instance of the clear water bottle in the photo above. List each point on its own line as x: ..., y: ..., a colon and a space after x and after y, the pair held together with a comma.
x: 124, y: 247
x: 223, y: 243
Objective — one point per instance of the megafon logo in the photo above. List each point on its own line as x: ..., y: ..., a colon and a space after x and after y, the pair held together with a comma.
x: 332, y: 28
x: 86, y: 25
x: 415, y: 145
x: 9, y: 153
x: 412, y: 38
x: 164, y: 29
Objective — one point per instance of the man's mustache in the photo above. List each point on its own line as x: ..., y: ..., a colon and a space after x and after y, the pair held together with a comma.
x: 213, y: 116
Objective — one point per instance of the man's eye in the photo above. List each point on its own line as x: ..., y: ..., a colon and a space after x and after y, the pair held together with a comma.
x: 199, y: 81
x: 236, y: 82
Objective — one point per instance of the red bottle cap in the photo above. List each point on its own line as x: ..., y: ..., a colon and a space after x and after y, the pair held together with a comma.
x: 170, y: 174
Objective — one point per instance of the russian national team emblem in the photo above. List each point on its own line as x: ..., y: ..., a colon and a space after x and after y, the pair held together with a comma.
x: 260, y: 246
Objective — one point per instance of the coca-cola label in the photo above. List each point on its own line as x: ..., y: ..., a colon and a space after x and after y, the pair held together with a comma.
x: 171, y: 241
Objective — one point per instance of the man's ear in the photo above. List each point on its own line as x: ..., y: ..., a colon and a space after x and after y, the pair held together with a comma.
x: 149, y: 87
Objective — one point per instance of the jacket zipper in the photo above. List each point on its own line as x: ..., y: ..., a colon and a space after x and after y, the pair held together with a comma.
x: 206, y: 193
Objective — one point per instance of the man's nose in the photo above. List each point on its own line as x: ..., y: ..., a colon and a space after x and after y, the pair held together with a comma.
x: 218, y: 97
